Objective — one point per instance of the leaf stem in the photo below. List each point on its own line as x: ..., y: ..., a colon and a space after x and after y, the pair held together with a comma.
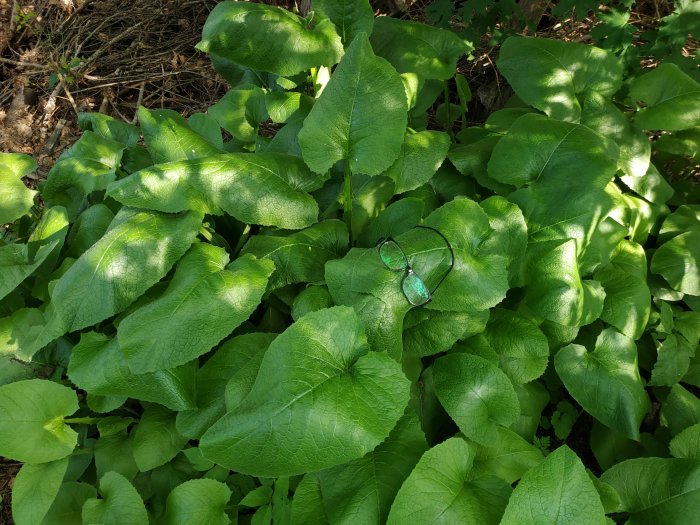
x: 448, y: 117
x: 347, y: 199
x: 82, y: 420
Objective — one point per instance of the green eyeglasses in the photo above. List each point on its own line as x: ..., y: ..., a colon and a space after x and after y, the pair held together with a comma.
x: 413, y: 287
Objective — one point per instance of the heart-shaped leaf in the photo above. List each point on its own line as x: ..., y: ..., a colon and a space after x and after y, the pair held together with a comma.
x: 308, y: 426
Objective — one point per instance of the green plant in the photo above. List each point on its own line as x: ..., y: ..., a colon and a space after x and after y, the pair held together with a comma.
x: 199, y: 330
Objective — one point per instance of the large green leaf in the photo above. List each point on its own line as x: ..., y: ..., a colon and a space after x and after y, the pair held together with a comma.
x: 606, y: 381
x: 228, y: 375
x: 555, y: 290
x: 350, y: 17
x: 671, y: 99
x: 169, y: 137
x: 558, y: 491
x: 508, y: 457
x: 444, y: 473
x: 205, y: 297
x: 686, y: 444
x: 522, y: 348
x: 674, y: 354
x: 31, y: 421
x: 551, y: 74
x: 15, y: 198
x: 88, y: 228
x: 109, y: 128
x: 362, y: 491
x: 540, y: 149
x: 120, y: 503
x: 239, y: 31
x: 34, y: 490
x: 198, y: 502
x: 18, y: 261
x: 421, y: 155
x: 627, y: 300
x: 68, y: 505
x: 360, y: 116
x: 680, y: 409
x: 120, y: 267
x: 268, y: 189
x: 411, y: 47
x: 657, y: 491
x: 89, y: 165
x: 307, y: 425
x: 476, y: 394
x: 238, y: 112
x: 98, y: 366
x: 300, y: 257
x: 156, y: 440
x: 605, y: 118
x: 429, y: 332
x: 678, y: 261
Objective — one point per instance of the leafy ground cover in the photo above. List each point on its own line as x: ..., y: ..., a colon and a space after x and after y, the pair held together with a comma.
x: 374, y: 313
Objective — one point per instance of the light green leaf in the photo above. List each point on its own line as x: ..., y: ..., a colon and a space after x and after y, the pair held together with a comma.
x: 89, y: 165
x: 15, y: 198
x: 606, y: 381
x: 429, y: 332
x: 508, y: 457
x: 476, y: 394
x: 510, y: 232
x: 539, y: 149
x: 412, y: 47
x: 680, y: 409
x: 360, y: 117
x: 307, y: 426
x: 671, y: 99
x: 156, y: 440
x: 521, y: 346
x: 350, y: 17
x: 556, y: 291
x: 684, y: 218
x: 235, y: 364
x: 98, y: 366
x: 673, y: 360
x: 686, y: 444
x: 558, y: 491
x: 68, y: 505
x: 170, y: 138
x: 657, y: 491
x: 421, y: 155
x: 627, y: 300
x: 109, y: 128
x: 34, y: 490
x: 198, y: 502
x: 300, y: 257
x: 396, y: 218
x: 652, y: 185
x: 19, y: 261
x: 120, y: 503
x: 307, y: 505
x: 204, y: 297
x: 267, y: 189
x: 31, y: 421
x: 207, y: 126
x: 551, y: 74
x: 605, y: 118
x: 310, y: 299
x: 456, y: 495
x: 103, y: 281
x: 88, y: 228
x: 236, y: 112
x: 362, y: 491
x: 239, y: 31
x: 678, y: 261
x: 533, y: 398
x: 115, y: 453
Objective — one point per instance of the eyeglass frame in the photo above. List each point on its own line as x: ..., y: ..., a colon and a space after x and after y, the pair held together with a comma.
x: 409, y: 269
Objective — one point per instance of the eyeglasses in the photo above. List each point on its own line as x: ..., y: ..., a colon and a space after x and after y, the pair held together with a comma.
x: 412, y: 286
